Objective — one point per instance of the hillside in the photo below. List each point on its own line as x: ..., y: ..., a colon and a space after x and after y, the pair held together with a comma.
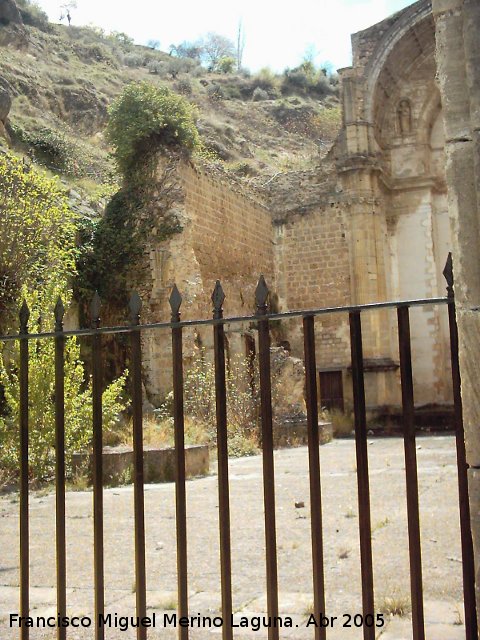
x: 61, y: 80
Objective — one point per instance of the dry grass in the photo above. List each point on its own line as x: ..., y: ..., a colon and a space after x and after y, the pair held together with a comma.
x: 167, y: 603
x: 342, y: 423
x: 380, y: 524
x: 458, y: 620
x: 160, y: 433
x: 396, y: 604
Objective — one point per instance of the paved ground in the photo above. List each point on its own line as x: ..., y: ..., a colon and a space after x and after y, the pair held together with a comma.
x: 440, y: 545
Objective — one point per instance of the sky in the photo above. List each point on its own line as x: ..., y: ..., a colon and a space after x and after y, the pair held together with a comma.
x: 276, y: 35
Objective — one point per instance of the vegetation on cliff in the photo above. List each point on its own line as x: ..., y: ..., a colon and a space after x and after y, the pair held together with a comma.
x: 145, y: 117
x: 64, y: 79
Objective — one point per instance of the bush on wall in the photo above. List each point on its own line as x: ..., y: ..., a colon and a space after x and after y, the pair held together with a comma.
x: 145, y: 117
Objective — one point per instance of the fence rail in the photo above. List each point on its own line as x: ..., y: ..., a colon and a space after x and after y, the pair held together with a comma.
x: 262, y: 320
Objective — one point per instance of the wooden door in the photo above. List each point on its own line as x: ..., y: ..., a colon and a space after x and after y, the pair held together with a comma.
x: 331, y: 390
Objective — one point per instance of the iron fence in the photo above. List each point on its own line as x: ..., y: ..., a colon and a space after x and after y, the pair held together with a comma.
x: 262, y: 320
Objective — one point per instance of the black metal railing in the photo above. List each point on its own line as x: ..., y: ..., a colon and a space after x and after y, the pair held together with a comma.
x: 262, y: 320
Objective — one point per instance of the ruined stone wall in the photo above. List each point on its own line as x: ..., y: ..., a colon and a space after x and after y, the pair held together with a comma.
x: 391, y: 167
x: 313, y: 270
x: 231, y: 235
x: 226, y: 235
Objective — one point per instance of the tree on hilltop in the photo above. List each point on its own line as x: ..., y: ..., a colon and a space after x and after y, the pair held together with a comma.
x: 67, y: 7
x: 216, y: 47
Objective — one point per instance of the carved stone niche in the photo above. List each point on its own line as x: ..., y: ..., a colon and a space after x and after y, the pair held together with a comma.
x: 404, y: 117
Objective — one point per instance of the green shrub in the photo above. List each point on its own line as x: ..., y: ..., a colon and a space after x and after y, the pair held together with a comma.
x: 146, y: 117
x: 54, y: 150
x: 37, y: 234
x: 226, y: 65
x: 157, y: 68
x: 184, y: 87
x: 121, y: 39
x: 306, y: 80
x: 95, y: 51
x: 78, y: 408
x: 37, y: 263
x: 231, y: 91
x: 176, y: 66
x: 133, y: 60
x: 215, y: 93
x: 259, y: 94
x: 48, y: 146
x: 266, y: 80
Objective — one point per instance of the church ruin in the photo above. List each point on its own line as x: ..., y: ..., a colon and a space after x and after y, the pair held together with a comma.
x: 370, y: 224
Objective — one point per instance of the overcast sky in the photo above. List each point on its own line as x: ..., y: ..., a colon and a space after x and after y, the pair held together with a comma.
x: 277, y: 35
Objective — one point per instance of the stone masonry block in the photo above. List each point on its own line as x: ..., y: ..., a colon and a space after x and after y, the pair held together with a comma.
x: 469, y: 348
x: 474, y: 491
x: 441, y: 6
x: 463, y: 206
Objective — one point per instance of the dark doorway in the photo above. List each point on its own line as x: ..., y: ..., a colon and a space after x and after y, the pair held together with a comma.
x: 331, y: 390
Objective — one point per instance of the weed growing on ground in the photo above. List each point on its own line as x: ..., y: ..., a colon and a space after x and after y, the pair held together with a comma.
x: 458, y: 621
x: 169, y: 603
x: 396, y: 604
x: 342, y: 422
x: 380, y: 524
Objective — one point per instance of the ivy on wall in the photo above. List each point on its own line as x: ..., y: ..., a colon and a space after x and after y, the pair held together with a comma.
x: 144, y: 121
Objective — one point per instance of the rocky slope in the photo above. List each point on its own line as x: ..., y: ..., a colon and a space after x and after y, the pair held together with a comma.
x: 56, y: 83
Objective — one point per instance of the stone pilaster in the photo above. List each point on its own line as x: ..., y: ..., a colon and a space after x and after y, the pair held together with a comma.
x: 457, y: 24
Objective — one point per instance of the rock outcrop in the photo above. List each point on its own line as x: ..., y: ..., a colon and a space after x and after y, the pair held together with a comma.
x: 12, y: 30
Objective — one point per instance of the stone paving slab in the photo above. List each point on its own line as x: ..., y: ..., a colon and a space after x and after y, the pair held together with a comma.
x: 440, y: 545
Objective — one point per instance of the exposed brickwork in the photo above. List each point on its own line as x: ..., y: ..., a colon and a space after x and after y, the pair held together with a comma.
x: 231, y: 237
x: 314, y: 271
x: 226, y: 235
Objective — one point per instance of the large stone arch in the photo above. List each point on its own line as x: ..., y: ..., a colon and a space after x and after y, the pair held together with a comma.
x: 411, y: 24
x: 391, y: 162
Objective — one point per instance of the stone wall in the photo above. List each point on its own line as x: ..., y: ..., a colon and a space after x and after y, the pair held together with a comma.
x: 457, y: 25
x: 226, y: 235
x: 391, y: 161
x: 313, y: 270
x: 369, y: 225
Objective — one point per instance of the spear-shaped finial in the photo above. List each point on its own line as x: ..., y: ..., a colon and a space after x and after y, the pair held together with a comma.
x: 135, y: 306
x: 24, y: 316
x: 448, y: 274
x: 218, y: 298
x: 175, y: 303
x: 59, y: 313
x: 261, y: 296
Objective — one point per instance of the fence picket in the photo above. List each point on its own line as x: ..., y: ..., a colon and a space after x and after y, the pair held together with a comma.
x: 180, y: 490
x: 60, y: 538
x: 364, y: 519
x: 24, y: 494
x: 261, y: 296
x: 98, y: 551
